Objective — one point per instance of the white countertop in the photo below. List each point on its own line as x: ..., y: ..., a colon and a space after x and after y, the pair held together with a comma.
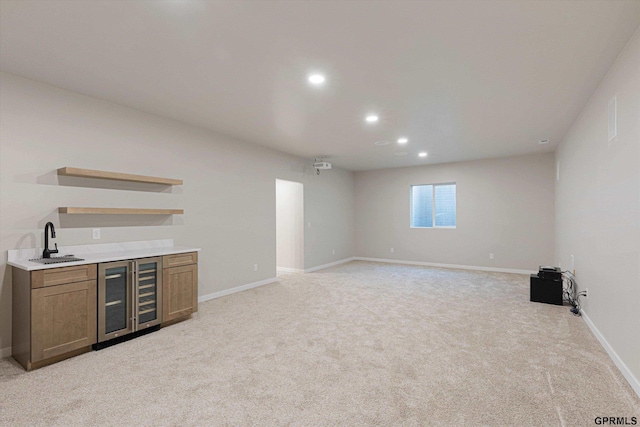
x: 94, y: 254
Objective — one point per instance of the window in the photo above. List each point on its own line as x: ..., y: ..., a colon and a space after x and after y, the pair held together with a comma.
x: 433, y: 205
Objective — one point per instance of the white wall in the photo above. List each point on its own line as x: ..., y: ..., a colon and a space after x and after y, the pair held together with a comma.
x: 598, y: 207
x: 228, y: 192
x: 289, y: 224
x: 504, y: 206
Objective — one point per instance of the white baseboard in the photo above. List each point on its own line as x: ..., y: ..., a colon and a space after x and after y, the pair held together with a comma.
x: 331, y: 264
x: 248, y: 286
x: 5, y: 352
x: 241, y: 288
x: 456, y: 266
x: 289, y: 270
x: 633, y: 381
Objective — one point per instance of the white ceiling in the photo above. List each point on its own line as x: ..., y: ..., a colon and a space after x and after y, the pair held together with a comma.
x: 461, y: 79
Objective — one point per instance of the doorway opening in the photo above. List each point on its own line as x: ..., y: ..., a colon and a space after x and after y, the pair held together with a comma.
x: 289, y: 226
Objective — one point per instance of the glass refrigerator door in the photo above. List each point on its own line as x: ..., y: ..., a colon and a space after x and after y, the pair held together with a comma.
x: 149, y: 295
x: 114, y: 302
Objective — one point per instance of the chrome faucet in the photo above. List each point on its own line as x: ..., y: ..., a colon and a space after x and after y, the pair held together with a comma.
x: 47, y: 252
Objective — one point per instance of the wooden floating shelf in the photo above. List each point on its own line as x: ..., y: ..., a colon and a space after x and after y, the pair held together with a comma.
x: 117, y: 176
x: 119, y: 211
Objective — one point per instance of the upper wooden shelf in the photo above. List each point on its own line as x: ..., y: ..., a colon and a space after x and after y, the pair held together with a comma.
x: 89, y: 173
x: 120, y: 211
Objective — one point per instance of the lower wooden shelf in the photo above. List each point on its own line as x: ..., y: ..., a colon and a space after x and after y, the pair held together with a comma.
x: 119, y: 211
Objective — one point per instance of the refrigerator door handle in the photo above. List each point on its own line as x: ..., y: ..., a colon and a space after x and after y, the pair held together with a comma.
x: 134, y: 296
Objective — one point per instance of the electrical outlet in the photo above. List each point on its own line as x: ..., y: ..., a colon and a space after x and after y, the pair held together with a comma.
x: 490, y: 256
x: 333, y: 252
x: 392, y: 250
x: 255, y: 267
x: 586, y: 293
x: 96, y: 233
x: 308, y: 225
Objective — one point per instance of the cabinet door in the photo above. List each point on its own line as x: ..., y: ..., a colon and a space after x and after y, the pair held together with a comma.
x: 63, y: 319
x: 180, y: 292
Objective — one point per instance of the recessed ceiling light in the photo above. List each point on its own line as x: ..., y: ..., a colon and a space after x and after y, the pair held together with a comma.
x: 543, y: 141
x: 402, y: 140
x: 316, y: 79
x: 423, y: 154
x: 400, y: 153
x: 382, y: 143
x: 371, y: 118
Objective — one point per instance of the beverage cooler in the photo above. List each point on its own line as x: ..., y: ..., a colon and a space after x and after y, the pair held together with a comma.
x: 129, y: 297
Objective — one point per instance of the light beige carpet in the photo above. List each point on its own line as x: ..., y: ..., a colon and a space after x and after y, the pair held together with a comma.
x: 358, y: 344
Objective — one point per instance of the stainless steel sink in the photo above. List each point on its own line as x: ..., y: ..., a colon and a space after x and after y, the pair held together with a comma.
x: 58, y: 259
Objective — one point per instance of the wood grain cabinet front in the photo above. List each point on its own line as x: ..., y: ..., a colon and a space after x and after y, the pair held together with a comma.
x: 179, y: 291
x: 177, y: 260
x: 53, y: 315
x: 61, y: 275
x: 63, y: 318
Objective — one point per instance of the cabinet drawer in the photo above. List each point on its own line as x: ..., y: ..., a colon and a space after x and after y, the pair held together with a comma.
x: 61, y: 275
x: 179, y: 259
